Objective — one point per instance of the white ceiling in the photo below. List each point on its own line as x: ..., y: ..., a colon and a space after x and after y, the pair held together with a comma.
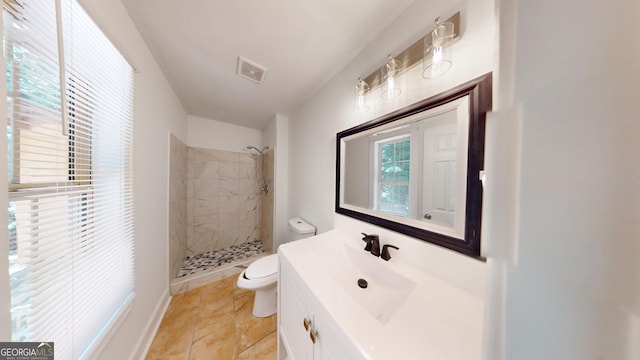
x: 302, y: 43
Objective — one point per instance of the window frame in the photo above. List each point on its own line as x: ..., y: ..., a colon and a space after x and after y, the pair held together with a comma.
x: 82, y: 209
x: 78, y: 165
x: 378, y: 175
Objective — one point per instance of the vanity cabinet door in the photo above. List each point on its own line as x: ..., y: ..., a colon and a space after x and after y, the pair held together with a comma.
x: 324, y: 341
x: 292, y: 322
x: 305, y: 331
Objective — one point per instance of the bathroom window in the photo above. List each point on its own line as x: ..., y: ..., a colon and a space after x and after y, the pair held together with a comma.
x: 69, y: 132
x: 393, y: 175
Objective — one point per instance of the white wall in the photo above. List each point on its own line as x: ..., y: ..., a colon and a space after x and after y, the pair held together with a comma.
x: 568, y: 270
x: 213, y: 134
x: 276, y: 136
x: 315, y: 124
x: 156, y: 111
x: 270, y: 133
x: 357, y: 172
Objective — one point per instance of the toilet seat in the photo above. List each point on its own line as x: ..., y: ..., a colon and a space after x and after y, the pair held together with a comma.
x: 262, y: 277
x: 262, y: 273
x: 262, y: 268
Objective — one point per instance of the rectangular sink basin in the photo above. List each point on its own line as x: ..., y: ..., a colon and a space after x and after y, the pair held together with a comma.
x: 386, y: 289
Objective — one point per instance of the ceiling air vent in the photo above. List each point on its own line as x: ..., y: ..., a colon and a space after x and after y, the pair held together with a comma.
x: 250, y: 70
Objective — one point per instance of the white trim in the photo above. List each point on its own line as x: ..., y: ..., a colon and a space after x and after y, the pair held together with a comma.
x: 168, y: 210
x: 5, y: 295
x: 115, y: 40
x: 150, y: 330
x: 94, y: 350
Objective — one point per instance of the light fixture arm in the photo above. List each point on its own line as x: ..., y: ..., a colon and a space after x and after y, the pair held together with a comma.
x: 411, y: 56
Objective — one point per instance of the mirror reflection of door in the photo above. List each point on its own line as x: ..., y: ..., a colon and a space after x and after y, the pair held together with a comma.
x: 414, y: 170
x: 439, y: 174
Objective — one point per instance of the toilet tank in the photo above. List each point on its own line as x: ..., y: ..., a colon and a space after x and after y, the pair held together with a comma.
x: 300, y: 229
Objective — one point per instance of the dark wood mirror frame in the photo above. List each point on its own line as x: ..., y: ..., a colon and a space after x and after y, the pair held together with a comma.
x: 479, y: 91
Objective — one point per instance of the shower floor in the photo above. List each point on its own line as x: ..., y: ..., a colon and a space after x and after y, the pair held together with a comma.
x: 213, y: 259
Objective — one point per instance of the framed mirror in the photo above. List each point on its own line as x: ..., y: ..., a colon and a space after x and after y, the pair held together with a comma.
x: 417, y: 170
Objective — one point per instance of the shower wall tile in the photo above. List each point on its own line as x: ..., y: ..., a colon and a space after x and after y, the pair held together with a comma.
x: 209, y: 222
x: 227, y: 236
x: 201, y: 241
x: 201, y: 169
x: 247, y: 158
x: 228, y: 205
x: 205, y: 154
x: 247, y: 171
x: 248, y: 234
x: 250, y: 204
x: 247, y: 188
x: 205, y: 188
x: 228, y: 186
x: 249, y: 231
x: 205, y: 207
x: 229, y: 170
x: 266, y: 202
x: 209, y: 170
x: 223, y: 198
x: 217, y: 155
x: 228, y: 221
x: 178, y: 204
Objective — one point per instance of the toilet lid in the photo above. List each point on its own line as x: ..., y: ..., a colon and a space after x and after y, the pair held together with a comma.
x: 263, y: 267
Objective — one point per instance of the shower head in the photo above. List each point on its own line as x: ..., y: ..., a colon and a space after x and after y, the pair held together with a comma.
x: 249, y: 147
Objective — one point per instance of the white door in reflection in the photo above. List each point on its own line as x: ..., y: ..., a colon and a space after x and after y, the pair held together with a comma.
x: 412, y: 171
x: 439, y: 175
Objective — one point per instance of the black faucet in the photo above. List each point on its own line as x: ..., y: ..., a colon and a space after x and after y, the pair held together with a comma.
x: 373, y: 244
x: 385, y: 251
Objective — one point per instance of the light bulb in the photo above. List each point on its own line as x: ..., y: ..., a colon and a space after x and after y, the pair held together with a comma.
x: 437, y: 55
x: 359, y: 93
x: 389, y: 72
x: 437, y: 58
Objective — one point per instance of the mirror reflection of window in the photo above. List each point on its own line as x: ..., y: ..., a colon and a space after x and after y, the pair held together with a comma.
x: 393, y: 174
x: 412, y: 170
x: 416, y: 170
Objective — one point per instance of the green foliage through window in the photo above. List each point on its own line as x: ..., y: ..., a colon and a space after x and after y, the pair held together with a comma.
x: 394, y: 174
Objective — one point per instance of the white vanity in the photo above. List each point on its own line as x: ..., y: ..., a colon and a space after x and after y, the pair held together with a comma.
x: 403, y: 313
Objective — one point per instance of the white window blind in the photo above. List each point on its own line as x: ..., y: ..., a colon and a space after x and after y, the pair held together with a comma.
x: 70, y: 176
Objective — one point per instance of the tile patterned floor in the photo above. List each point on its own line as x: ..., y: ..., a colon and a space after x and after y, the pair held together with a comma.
x: 214, y: 322
x: 212, y: 259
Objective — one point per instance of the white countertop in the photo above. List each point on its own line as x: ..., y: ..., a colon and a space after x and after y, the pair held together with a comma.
x: 436, y: 320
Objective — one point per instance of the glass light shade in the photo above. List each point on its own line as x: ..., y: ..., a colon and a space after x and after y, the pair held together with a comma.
x: 438, y: 52
x: 390, y: 71
x: 360, y: 101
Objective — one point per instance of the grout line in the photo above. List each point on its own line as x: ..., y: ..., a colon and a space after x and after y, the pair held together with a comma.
x: 235, y: 321
x: 262, y: 338
x: 195, y: 325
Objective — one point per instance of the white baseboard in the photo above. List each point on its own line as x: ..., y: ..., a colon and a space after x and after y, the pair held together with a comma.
x: 144, y: 343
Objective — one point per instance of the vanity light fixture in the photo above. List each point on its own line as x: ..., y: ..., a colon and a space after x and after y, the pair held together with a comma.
x: 437, y: 58
x: 359, y: 96
x: 389, y: 73
x: 434, y: 51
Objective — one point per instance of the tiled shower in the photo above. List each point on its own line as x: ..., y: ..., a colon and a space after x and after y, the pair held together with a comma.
x: 220, y: 219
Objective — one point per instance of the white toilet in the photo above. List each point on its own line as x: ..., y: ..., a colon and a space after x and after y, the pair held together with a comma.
x: 262, y: 275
